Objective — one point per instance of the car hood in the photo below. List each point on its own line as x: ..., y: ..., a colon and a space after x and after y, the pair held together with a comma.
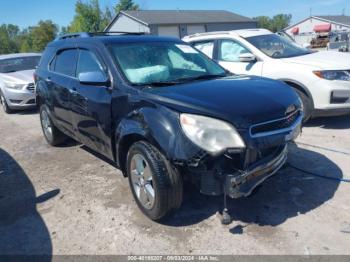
x: 241, y: 100
x: 326, y: 60
x: 23, y: 77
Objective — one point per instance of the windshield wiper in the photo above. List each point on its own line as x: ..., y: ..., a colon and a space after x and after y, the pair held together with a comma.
x: 179, y: 81
x: 201, y: 77
x: 158, y: 83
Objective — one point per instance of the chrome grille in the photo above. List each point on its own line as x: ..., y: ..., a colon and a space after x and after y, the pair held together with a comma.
x: 276, y: 126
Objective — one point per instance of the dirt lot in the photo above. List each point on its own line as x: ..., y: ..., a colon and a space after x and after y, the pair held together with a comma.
x: 66, y: 201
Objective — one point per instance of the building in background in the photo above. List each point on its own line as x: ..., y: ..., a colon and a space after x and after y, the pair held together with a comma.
x: 318, y: 26
x: 178, y: 23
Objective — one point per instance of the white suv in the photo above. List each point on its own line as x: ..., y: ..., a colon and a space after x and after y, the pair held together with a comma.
x: 322, y: 79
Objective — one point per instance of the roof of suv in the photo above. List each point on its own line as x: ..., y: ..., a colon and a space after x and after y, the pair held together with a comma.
x: 106, y: 39
x: 242, y: 33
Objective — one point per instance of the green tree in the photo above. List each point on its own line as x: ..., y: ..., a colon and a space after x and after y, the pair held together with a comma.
x: 281, y: 21
x: 64, y: 30
x: 25, y: 40
x: 8, y: 41
x: 42, y: 34
x: 35, y: 38
x: 107, y: 17
x: 89, y: 17
x: 126, y: 5
x: 31, y: 39
x: 25, y: 46
x: 264, y: 22
x: 274, y: 24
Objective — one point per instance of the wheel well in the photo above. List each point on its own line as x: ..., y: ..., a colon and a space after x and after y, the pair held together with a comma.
x: 301, y: 89
x: 124, y: 147
x: 38, y: 101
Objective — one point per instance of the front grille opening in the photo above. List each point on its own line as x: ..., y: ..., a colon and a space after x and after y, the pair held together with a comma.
x: 13, y: 101
x: 276, y: 125
x: 339, y: 99
x: 31, y: 101
x: 31, y: 87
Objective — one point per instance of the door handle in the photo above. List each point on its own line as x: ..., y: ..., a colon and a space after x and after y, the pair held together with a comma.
x: 48, y: 79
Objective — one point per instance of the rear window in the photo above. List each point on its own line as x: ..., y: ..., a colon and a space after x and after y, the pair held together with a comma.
x: 19, y: 64
x: 65, y: 62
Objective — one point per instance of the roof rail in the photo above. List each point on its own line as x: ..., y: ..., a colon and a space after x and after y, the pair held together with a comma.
x: 119, y: 33
x: 74, y: 35
x: 208, y: 33
x: 86, y: 34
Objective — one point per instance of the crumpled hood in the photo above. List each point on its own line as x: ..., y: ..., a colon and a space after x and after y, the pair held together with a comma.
x: 21, y: 77
x: 326, y: 60
x: 241, y: 100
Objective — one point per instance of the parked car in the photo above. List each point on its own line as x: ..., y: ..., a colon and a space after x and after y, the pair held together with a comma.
x: 322, y: 79
x: 16, y: 81
x: 166, y: 118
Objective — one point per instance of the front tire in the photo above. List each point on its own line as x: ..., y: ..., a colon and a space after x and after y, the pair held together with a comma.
x: 307, y: 105
x: 51, y: 133
x: 155, y: 184
x: 4, y: 104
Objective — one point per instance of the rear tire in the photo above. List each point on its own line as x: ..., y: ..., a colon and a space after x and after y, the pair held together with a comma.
x: 307, y: 105
x: 155, y: 184
x: 4, y: 104
x: 51, y: 133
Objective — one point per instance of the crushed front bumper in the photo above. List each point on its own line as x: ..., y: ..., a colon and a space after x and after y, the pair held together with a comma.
x: 242, y: 184
x: 236, y: 183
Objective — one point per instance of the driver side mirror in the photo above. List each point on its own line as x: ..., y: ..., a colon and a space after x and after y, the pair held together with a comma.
x: 94, y: 78
x: 247, y: 57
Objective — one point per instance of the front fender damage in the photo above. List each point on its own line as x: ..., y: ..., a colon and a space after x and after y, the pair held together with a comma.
x: 233, y: 173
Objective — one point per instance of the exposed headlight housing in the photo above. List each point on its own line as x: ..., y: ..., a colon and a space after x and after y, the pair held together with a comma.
x: 13, y: 85
x: 210, y: 134
x: 342, y: 75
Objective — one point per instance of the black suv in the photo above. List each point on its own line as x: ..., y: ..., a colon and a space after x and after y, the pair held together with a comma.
x: 165, y: 113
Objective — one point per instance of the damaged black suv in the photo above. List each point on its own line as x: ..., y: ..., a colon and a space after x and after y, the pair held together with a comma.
x: 165, y: 113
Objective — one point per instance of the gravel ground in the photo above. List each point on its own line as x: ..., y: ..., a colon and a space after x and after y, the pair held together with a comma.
x: 67, y: 201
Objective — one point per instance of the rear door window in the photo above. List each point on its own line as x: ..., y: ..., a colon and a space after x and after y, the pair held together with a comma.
x: 206, y: 47
x: 66, y: 61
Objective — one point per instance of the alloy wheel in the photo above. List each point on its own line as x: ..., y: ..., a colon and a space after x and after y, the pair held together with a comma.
x: 46, y: 124
x: 142, y: 181
x: 3, y: 102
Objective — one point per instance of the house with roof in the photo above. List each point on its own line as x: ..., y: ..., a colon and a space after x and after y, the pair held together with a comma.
x: 178, y: 23
x: 304, y: 30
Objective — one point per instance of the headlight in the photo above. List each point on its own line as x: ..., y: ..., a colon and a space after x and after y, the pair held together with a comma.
x: 13, y: 85
x: 210, y: 134
x: 343, y: 75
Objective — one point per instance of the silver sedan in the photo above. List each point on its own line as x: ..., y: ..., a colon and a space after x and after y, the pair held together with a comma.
x: 16, y: 81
